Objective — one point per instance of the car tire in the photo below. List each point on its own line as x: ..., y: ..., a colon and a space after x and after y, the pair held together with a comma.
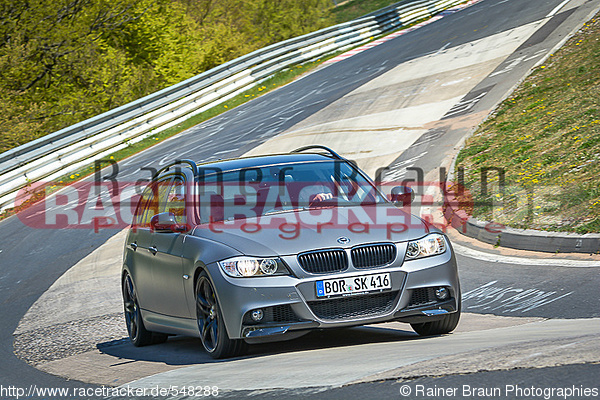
x: 441, y: 326
x: 138, y: 334
x: 211, y: 324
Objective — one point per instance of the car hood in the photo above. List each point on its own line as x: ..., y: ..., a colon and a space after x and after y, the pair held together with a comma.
x: 294, y: 232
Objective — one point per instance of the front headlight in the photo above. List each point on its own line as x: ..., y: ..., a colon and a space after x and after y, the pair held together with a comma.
x: 242, y: 267
x: 430, y: 245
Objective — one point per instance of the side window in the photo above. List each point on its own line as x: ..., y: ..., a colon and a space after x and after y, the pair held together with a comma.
x: 176, y: 200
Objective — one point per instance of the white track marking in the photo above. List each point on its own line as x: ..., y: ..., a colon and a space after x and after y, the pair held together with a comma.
x: 557, y: 9
x: 549, y: 262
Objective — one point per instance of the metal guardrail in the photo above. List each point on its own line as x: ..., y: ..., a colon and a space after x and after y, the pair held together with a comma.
x: 74, y: 147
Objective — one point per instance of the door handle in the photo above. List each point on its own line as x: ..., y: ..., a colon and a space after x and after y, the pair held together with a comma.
x: 153, y: 250
x: 133, y: 245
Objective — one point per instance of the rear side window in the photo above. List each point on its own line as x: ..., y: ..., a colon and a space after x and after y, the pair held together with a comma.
x: 143, y: 205
x: 153, y: 201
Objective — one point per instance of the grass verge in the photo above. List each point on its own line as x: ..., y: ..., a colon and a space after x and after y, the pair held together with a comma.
x: 545, y: 139
x: 349, y: 10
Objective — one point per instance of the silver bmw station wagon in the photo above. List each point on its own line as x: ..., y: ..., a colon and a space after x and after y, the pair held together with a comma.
x: 267, y: 248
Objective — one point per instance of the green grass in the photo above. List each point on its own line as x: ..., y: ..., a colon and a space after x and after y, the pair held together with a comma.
x: 349, y: 10
x: 547, y: 138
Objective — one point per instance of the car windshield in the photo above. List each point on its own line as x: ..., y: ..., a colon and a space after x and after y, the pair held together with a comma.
x: 266, y: 190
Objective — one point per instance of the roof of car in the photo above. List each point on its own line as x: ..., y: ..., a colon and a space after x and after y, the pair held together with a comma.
x: 262, y: 161
x: 306, y: 154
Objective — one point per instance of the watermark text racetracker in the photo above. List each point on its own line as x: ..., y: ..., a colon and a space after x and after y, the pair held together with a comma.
x: 250, y: 208
x: 33, y: 391
x: 498, y: 392
x: 250, y: 200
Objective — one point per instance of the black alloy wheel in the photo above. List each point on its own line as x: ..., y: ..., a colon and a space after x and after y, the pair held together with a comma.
x: 138, y: 334
x: 211, y: 326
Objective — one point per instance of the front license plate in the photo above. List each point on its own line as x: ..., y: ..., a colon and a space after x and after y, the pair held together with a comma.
x: 354, y: 285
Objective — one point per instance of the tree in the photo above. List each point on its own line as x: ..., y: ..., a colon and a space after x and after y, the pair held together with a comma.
x: 62, y: 61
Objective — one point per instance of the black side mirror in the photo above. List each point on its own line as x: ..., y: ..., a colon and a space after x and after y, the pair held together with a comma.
x: 165, y: 222
x: 402, y: 196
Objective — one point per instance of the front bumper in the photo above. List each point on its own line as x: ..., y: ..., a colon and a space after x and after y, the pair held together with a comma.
x: 290, y: 305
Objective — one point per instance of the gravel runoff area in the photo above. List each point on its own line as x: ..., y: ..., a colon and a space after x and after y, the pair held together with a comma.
x: 65, y: 322
x: 70, y: 338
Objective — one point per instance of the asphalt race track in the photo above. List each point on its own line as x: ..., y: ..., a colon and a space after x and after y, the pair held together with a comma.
x: 529, y: 320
